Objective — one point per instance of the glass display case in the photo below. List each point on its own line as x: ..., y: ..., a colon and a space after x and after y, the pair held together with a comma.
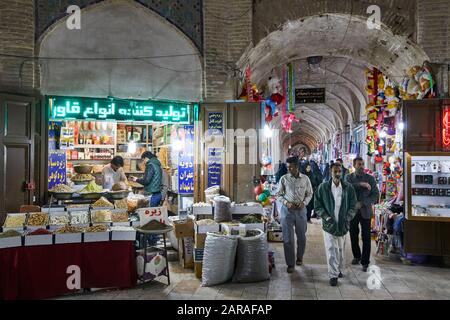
x: 428, y: 186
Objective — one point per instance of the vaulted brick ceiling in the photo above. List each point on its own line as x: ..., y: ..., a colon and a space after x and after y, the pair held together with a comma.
x: 348, y: 48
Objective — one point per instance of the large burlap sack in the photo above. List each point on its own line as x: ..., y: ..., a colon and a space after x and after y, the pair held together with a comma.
x: 252, y: 258
x: 218, y: 259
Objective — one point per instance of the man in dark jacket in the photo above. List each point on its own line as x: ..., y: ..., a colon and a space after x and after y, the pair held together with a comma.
x: 335, y: 202
x: 367, y: 194
x: 152, y: 180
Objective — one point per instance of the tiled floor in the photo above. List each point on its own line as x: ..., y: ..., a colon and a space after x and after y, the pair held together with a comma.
x: 308, y: 282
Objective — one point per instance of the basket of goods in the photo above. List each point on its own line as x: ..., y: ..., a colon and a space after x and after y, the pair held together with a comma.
x: 83, y: 169
x: 101, y: 216
x: 97, y: 228
x: 102, y: 203
x: 82, y: 178
x: 91, y: 191
x: 69, y: 229
x: 119, y: 216
x: 15, y: 221
x: 79, y: 218
x: 61, y: 192
x: 121, y: 204
x: 135, y: 185
x: 119, y: 191
x: 37, y: 219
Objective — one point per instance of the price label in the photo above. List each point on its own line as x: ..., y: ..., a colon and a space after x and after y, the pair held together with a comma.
x: 156, y: 213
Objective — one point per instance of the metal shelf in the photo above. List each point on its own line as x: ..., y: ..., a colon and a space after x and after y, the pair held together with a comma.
x: 95, y: 146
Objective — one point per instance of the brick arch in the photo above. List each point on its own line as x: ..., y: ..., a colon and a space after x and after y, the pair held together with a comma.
x: 269, y: 15
x: 185, y: 15
x: 112, y: 29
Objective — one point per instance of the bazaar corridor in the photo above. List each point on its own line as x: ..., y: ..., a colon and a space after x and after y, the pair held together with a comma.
x: 308, y: 282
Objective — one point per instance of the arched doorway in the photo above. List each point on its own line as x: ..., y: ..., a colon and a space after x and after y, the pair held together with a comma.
x: 122, y: 50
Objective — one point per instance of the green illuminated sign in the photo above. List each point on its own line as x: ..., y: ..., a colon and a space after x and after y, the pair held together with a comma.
x: 122, y: 110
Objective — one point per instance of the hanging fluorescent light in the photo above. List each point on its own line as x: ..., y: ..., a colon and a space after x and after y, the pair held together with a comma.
x: 268, y: 133
x: 401, y: 126
x: 178, y: 145
x: 132, y: 146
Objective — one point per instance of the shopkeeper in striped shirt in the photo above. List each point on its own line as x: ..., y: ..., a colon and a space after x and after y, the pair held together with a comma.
x: 295, y: 192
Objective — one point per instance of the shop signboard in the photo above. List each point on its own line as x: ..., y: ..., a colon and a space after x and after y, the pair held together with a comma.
x: 215, y: 123
x: 186, y: 163
x: 64, y: 108
x: 310, y: 95
x: 214, y: 166
x: 56, y: 168
x: 156, y: 213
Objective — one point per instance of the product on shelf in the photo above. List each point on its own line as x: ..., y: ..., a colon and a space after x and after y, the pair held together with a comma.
x: 69, y: 229
x: 119, y: 217
x: 201, y: 204
x: 101, y: 216
x: 134, y: 184
x: 74, y: 206
x: 121, y: 228
x: 59, y: 219
x: 61, y: 188
x: 251, y: 219
x: 15, y: 220
x: 10, y: 233
x: 79, y: 217
x: 121, y: 204
x: 103, y: 203
x: 83, y: 177
x: 119, y: 186
x: 37, y: 219
x: 91, y: 187
x: 38, y: 232
x: 205, y: 222
x: 97, y: 228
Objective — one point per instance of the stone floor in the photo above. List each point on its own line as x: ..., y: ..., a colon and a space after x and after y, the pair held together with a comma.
x: 309, y: 282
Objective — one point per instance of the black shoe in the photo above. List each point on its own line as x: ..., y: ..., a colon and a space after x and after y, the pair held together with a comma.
x: 340, y: 275
x: 364, y: 268
x: 290, y: 269
x: 299, y: 262
x: 356, y: 261
x: 333, y: 282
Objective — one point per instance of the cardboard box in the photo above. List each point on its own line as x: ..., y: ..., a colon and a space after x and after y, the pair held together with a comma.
x: 252, y: 226
x: 39, y: 240
x: 206, y: 228
x: 200, y: 239
x: 61, y: 238
x: 10, y: 242
x: 184, y: 229
x: 96, y: 236
x: 186, y: 252
x: 198, y: 268
x: 202, y: 210
x: 231, y: 229
x: 123, y: 235
x: 256, y: 209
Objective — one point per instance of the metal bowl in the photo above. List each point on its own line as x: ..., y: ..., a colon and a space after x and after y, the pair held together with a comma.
x: 118, y: 195
x: 83, y: 169
x: 92, y: 195
x: 83, y: 182
x: 62, y: 195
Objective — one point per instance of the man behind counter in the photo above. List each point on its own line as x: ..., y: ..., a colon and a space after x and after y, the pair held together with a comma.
x: 113, y: 173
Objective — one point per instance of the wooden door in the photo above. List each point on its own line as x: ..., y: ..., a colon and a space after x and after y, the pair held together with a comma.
x: 17, y: 130
x: 421, y: 119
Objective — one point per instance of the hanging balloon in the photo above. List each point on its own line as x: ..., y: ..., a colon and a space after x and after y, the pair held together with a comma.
x: 262, y: 197
x: 257, y: 197
x: 266, y: 202
x: 258, y: 190
x: 277, y: 98
x: 266, y: 192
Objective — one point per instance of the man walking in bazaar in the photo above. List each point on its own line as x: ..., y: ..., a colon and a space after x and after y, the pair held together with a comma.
x: 335, y: 202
